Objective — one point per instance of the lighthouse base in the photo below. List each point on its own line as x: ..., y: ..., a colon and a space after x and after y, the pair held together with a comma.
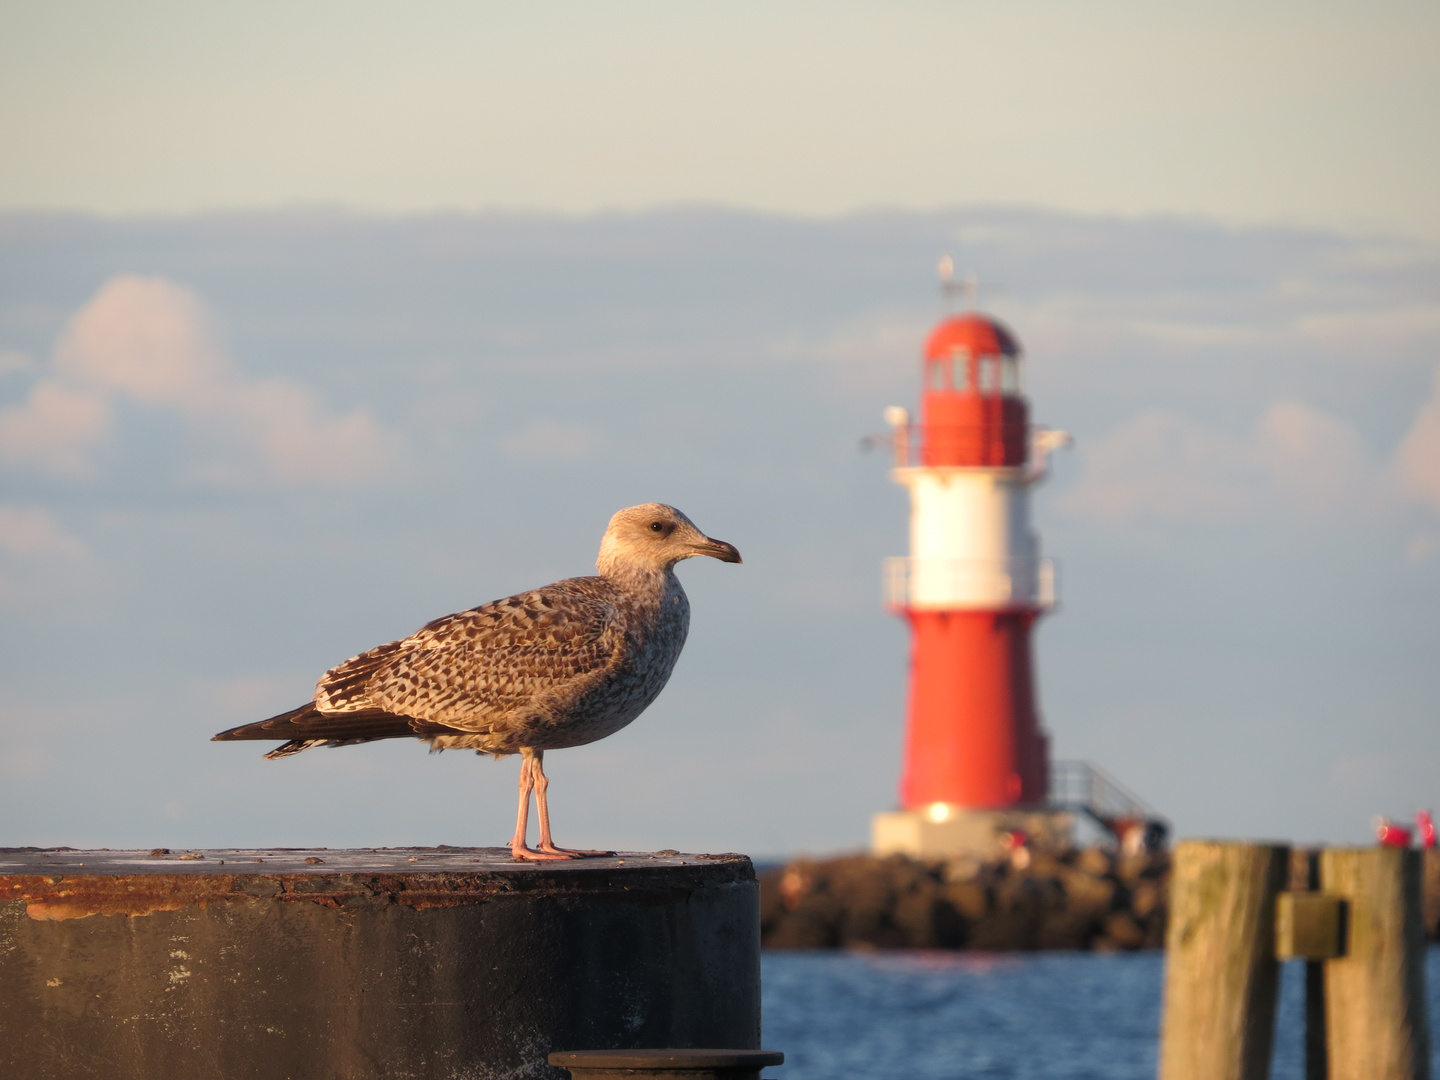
x: 944, y: 831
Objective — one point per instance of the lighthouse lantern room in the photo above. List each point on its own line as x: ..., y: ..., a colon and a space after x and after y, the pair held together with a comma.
x: 976, y: 763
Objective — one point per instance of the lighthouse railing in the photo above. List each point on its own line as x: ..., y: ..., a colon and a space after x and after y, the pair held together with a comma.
x: 1081, y: 786
x: 907, y: 441
x: 978, y: 584
x: 912, y: 441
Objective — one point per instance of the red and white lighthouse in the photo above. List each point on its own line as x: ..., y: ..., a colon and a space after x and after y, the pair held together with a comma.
x: 972, y: 589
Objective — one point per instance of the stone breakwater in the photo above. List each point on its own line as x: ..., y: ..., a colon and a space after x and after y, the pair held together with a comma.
x: 1088, y: 899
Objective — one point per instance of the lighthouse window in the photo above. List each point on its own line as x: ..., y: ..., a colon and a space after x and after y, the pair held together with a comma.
x: 937, y: 376
x: 1009, y: 375
x: 960, y: 365
x: 989, y: 374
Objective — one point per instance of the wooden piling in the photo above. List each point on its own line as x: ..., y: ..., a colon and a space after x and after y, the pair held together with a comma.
x: 1317, y: 1064
x: 1221, y: 975
x: 1376, y: 1015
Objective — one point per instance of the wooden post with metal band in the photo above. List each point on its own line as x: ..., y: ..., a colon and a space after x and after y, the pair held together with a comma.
x: 1361, y: 935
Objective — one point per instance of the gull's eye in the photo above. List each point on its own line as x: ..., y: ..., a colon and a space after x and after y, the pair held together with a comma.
x: 657, y: 526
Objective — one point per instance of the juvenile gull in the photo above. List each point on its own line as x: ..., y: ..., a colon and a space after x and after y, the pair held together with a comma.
x: 559, y: 666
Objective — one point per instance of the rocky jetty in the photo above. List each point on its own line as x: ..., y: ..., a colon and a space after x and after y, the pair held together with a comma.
x: 1089, y: 899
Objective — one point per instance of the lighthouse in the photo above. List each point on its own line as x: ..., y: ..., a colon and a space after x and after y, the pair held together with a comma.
x: 976, y: 762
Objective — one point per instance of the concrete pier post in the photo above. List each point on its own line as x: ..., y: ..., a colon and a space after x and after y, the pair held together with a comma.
x: 350, y: 965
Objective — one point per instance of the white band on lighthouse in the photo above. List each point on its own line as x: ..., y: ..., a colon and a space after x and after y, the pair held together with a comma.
x: 971, y: 543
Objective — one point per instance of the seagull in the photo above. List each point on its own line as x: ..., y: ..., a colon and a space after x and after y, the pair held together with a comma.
x: 563, y: 665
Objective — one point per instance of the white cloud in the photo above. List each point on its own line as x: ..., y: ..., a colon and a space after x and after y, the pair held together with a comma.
x: 32, y: 532
x: 53, y: 429
x: 281, y: 433
x: 1315, y: 461
x: 1417, y: 461
x: 146, y: 338
x: 1164, y: 468
x: 150, y: 341
x: 43, y: 566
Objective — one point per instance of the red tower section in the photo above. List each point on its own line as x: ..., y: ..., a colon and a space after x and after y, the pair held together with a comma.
x: 970, y: 411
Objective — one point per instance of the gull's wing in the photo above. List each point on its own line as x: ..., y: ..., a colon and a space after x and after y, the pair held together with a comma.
x: 478, y: 667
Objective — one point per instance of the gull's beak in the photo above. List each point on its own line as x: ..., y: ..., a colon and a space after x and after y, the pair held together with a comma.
x: 717, y: 549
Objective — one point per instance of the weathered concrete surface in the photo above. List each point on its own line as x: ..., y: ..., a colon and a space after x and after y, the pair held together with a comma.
x: 396, y: 963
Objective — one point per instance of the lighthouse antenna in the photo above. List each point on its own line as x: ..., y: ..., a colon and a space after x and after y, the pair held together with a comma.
x: 949, y: 287
x: 968, y: 289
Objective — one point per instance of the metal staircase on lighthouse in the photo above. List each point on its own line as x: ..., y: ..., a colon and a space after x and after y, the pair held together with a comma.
x: 977, y: 761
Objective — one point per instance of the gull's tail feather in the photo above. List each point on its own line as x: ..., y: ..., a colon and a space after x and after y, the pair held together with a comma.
x: 307, y: 726
x: 294, y: 746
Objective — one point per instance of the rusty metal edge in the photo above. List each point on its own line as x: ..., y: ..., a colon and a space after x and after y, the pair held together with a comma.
x: 69, y: 896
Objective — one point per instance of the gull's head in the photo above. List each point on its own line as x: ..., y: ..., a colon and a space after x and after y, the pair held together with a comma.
x: 654, y: 536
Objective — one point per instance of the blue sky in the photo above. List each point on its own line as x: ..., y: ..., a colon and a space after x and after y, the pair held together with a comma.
x: 318, y: 323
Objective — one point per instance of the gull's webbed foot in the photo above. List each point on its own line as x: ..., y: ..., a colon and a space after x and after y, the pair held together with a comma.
x: 571, y: 853
x: 528, y: 854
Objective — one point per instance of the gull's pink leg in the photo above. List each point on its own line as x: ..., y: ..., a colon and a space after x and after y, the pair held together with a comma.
x: 542, y: 783
x: 529, y: 766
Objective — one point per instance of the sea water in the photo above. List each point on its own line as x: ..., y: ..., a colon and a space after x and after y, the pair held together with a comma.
x: 998, y: 1016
